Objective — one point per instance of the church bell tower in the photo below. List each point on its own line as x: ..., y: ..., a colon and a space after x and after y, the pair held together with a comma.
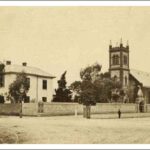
x: 119, y: 63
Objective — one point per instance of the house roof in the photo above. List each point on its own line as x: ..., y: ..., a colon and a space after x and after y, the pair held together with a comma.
x: 142, y: 77
x: 28, y: 70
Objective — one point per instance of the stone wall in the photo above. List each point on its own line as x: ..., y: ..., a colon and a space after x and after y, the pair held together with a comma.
x: 147, y: 108
x: 30, y: 109
x: 52, y: 109
x: 10, y: 109
x: 62, y: 108
x: 72, y: 108
x: 113, y: 108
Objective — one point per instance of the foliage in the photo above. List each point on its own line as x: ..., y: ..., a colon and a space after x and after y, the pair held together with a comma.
x: 2, y: 66
x: 63, y: 94
x: 14, y: 88
x: 88, y: 92
x: 90, y: 71
x: 96, y: 86
x: 2, y: 99
x: 76, y: 86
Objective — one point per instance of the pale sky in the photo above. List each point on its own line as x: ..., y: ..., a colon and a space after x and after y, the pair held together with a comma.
x: 56, y: 39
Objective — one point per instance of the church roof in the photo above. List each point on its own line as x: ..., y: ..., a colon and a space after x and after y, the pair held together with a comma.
x: 28, y: 70
x: 142, y: 77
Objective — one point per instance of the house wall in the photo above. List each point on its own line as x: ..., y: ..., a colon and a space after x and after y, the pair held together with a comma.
x: 35, y: 92
x: 45, y: 92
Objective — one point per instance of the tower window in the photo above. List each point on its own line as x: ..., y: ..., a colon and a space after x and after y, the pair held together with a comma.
x: 115, y: 60
x: 125, y: 60
x: 125, y: 80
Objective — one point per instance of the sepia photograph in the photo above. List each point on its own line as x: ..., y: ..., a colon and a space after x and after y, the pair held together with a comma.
x: 74, y: 75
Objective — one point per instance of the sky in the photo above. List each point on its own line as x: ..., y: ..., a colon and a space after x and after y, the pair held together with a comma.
x: 56, y: 39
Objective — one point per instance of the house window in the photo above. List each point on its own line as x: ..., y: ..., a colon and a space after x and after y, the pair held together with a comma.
x: 44, y: 84
x: 28, y: 80
x: 44, y: 99
x: 1, y: 80
x: 27, y: 99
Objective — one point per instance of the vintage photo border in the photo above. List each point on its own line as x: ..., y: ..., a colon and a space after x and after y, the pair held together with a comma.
x: 75, y: 3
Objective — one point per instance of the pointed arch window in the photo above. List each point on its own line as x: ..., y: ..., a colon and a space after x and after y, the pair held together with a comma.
x: 125, y: 59
x: 115, y: 60
x: 115, y: 78
x: 126, y: 81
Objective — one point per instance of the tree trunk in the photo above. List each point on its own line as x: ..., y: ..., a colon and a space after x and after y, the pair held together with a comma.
x: 88, y: 112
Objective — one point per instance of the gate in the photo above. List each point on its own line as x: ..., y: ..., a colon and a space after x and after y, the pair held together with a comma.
x: 40, y: 107
x: 141, y: 106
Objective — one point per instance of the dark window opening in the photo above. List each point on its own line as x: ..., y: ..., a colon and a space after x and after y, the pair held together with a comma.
x: 1, y: 80
x: 45, y: 84
x: 28, y: 80
x: 125, y: 60
x: 44, y: 99
x: 149, y: 97
x: 2, y: 100
x: 125, y: 80
x: 115, y: 78
x: 115, y: 60
x: 27, y: 99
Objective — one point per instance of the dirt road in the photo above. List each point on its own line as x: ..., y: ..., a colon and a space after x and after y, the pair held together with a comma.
x: 74, y: 130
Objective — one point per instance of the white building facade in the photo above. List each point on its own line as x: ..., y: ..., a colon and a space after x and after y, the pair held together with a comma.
x: 41, y: 86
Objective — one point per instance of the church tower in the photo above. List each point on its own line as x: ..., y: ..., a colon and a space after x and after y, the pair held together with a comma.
x: 119, y: 63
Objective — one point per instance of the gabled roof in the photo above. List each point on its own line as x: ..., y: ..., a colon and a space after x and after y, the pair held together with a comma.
x: 142, y: 77
x: 28, y: 70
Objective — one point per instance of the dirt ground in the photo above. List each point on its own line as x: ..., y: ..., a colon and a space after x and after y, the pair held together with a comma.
x: 74, y: 130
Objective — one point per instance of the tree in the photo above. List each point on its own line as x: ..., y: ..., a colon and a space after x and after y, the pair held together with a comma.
x: 14, y: 88
x: 88, y: 92
x: 76, y: 88
x: 63, y: 94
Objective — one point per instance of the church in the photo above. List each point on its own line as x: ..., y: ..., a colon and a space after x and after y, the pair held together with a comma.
x: 131, y: 80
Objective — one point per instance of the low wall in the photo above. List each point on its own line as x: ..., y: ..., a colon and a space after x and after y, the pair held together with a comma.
x: 10, y: 109
x: 113, y: 108
x: 62, y: 108
x: 51, y: 109
x: 147, y: 108
x: 30, y: 109
x: 72, y: 108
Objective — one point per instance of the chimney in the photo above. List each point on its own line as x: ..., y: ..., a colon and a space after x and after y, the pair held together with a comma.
x: 24, y: 64
x: 8, y: 62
